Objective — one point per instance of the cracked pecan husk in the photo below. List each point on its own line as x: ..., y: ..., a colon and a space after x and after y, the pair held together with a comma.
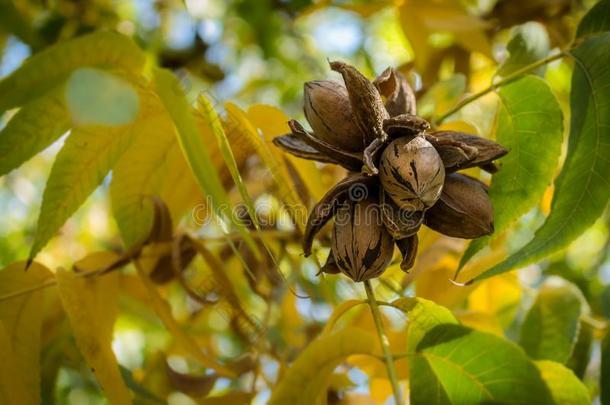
x: 463, y: 210
x: 361, y: 246
x: 400, y: 97
x: 412, y: 173
x: 459, y: 150
x: 329, y: 112
x: 372, y: 130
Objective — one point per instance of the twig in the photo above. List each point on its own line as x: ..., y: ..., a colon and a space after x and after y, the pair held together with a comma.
x: 508, y: 79
x: 385, y: 343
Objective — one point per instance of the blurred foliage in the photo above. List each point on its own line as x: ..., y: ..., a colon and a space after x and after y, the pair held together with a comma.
x: 164, y: 300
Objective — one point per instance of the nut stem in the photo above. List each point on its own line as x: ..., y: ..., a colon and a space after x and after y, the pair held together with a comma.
x: 385, y: 343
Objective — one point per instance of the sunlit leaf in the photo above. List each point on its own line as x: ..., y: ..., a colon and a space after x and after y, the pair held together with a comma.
x: 530, y: 125
x: 423, y: 316
x: 420, y: 18
x: 80, y: 166
x: 35, y: 126
x: 565, y: 387
x: 457, y: 365
x: 91, y: 306
x: 214, y: 127
x: 194, y: 149
x: 47, y: 68
x: 550, y: 328
x: 482, y: 321
x: 339, y: 312
x: 20, y: 333
x: 582, y: 189
x: 529, y: 43
x: 498, y: 296
x: 152, y: 165
x: 95, y: 97
x: 273, y: 122
x: 271, y: 157
x: 307, y: 377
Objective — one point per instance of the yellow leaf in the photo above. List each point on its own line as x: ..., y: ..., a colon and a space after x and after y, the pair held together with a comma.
x: 461, y: 126
x: 91, y: 306
x: 499, y: 296
x: 434, y: 283
x: 273, y: 123
x: 307, y: 377
x: 381, y: 389
x: 481, y: 321
x: 545, y: 204
x: 339, y: 312
x: 152, y: 165
x: 14, y: 389
x: 20, y: 331
x: 272, y: 158
x: 421, y: 18
x: 373, y: 367
x: 292, y: 326
x: 194, y: 148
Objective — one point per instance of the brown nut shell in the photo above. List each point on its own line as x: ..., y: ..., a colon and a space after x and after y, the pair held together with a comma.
x: 329, y: 112
x: 412, y: 173
x: 361, y: 246
x: 464, y: 209
x: 367, y: 105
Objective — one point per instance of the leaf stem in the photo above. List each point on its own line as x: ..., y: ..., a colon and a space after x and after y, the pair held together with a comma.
x: 385, y: 343
x: 506, y: 80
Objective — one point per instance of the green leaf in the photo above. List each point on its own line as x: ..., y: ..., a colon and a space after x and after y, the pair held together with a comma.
x: 51, y: 66
x: 423, y: 316
x: 194, y: 148
x: 80, y: 166
x: 582, y: 189
x: 35, y: 127
x: 457, y: 365
x: 581, y: 353
x: 530, y: 125
x: 211, y: 118
x: 597, y: 20
x: 604, y: 376
x: 152, y: 165
x: 307, y: 377
x: 565, y: 387
x: 95, y: 97
x: 550, y: 328
x: 528, y: 44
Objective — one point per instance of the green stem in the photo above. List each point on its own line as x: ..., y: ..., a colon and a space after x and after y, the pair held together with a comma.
x: 385, y: 343
x: 506, y: 80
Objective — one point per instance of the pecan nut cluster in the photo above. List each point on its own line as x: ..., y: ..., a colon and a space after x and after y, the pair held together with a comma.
x: 401, y: 174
